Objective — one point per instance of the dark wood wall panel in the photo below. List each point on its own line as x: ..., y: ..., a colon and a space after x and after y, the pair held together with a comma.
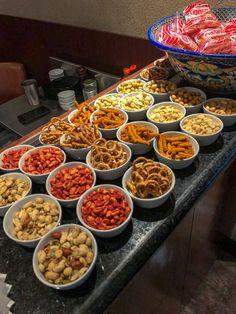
x: 32, y: 42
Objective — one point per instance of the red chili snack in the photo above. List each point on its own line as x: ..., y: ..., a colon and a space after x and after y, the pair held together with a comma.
x: 11, y: 158
x: 44, y: 160
x: 71, y: 183
x: 105, y: 209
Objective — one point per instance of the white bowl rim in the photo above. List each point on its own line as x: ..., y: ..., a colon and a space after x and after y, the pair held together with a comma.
x: 168, y: 103
x: 156, y: 67
x: 75, y: 163
x: 114, y: 129
x: 135, y: 93
x: 125, y: 81
x: 194, y: 89
x: 162, y: 94
x: 117, y: 168
x: 182, y: 134
x: 106, y: 186
x: 154, y: 198
x: 13, y: 148
x: 25, y: 199
x: 37, y: 148
x: 10, y: 174
x: 95, y: 252
x: 218, y: 114
x: 211, y: 116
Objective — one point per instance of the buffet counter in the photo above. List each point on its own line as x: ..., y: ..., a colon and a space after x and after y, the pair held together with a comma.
x: 119, y: 258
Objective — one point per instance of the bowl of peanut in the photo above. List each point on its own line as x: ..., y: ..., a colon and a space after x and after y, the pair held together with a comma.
x: 166, y: 115
x: 154, y: 73
x: 130, y: 86
x: 190, y: 97
x: 65, y: 258
x: 205, y: 128
x: 13, y: 187
x: 31, y: 218
x: 108, y: 101
x: 222, y: 108
x: 136, y: 105
x: 160, y: 89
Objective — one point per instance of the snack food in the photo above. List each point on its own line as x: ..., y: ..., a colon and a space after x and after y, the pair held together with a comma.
x: 174, y: 147
x: 53, y: 131
x: 108, y: 101
x: 136, y: 102
x: 106, y: 155
x: 130, y: 86
x: 105, y: 209
x: 224, y: 107
x: 159, y: 87
x: 154, y: 73
x: 35, y: 219
x: 165, y: 113
x: 66, y: 257
x: 187, y: 97
x: 43, y: 160
x: 12, y: 190
x: 148, y: 178
x: 82, y: 116
x: 137, y: 133
x: 108, y: 118
x: 81, y: 137
x: 163, y: 62
x: 11, y: 158
x: 71, y: 183
x: 202, y: 125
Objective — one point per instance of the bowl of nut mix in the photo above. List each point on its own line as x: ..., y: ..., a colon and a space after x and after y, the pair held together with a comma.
x: 160, y: 89
x: 31, y: 218
x: 13, y: 187
x: 222, y: 108
x: 190, y: 97
x: 205, y: 128
x: 130, y: 86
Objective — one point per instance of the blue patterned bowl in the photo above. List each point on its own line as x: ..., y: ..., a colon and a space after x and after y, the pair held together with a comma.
x: 212, y: 72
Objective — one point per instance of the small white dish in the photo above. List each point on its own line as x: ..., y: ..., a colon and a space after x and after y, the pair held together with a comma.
x: 174, y: 163
x: 8, y: 219
x: 110, y: 232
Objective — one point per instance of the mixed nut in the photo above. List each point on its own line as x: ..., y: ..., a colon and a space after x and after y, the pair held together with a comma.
x: 136, y: 102
x: 131, y: 86
x: 202, y: 125
x: 187, y: 97
x: 108, y: 101
x: 165, y: 113
x: 160, y: 87
x: 224, y: 106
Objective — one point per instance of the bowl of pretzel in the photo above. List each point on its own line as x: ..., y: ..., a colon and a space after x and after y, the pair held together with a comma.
x: 148, y: 182
x: 110, y: 159
x: 138, y: 135
x: 108, y: 120
x: 77, y: 142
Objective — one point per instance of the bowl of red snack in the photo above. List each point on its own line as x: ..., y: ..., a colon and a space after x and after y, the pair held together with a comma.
x: 9, y: 158
x: 69, y: 182
x: 40, y: 161
x: 201, y: 44
x: 105, y: 210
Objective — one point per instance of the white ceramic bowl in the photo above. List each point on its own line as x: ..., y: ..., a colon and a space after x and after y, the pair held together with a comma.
x: 4, y: 170
x: 72, y: 202
x: 37, y: 178
x: 77, y: 154
x: 165, y: 73
x: 149, y: 202
x: 118, y: 87
x: 136, y: 148
x: 45, y: 144
x: 203, y: 140
x: 110, y: 133
x: 71, y: 114
x: 8, y: 219
x: 111, y: 232
x: 105, y: 96
x: 115, y: 173
x: 45, y: 240
x: 139, y: 114
x: 158, y: 97
x: 66, y: 94
x: 196, y: 108
x: 23, y: 177
x: 226, y: 119
x: 166, y: 126
x: 177, y: 164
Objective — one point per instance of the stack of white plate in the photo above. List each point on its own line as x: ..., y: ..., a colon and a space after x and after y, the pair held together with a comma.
x: 55, y: 74
x: 66, y: 99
